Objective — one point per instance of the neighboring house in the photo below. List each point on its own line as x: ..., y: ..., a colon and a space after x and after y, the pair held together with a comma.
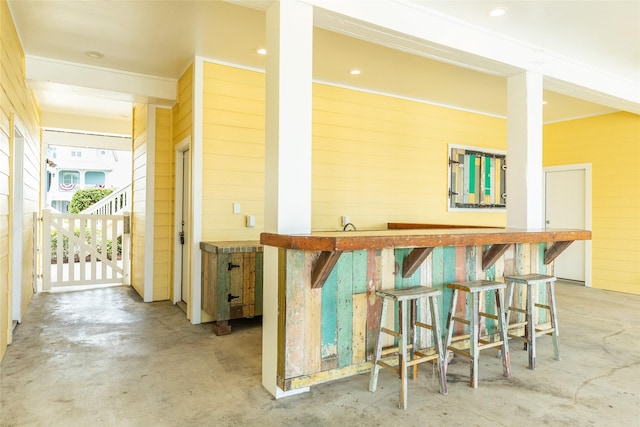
x: 75, y: 168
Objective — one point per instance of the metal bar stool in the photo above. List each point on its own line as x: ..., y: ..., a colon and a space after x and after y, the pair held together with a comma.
x: 476, y: 343
x: 531, y: 328
x: 407, y: 353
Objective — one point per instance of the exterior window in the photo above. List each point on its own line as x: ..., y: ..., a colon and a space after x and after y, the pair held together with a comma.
x: 94, y: 179
x: 76, y: 154
x: 68, y: 180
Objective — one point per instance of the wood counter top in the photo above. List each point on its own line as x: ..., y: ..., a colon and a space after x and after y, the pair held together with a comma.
x: 377, y: 239
x: 331, y: 244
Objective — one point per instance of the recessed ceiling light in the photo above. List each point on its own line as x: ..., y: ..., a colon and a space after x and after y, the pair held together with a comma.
x: 262, y: 51
x: 93, y: 54
x: 497, y: 11
x: 354, y: 72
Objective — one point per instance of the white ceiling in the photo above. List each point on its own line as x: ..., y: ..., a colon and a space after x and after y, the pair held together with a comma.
x: 160, y: 38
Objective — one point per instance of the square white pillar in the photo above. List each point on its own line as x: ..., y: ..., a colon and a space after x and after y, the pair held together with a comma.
x: 524, y: 152
x: 287, y: 155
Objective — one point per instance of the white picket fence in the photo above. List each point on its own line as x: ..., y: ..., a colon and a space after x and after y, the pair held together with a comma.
x: 83, y: 249
x: 115, y: 203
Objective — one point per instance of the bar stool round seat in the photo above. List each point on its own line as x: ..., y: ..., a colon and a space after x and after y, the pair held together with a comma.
x: 406, y: 351
x: 472, y: 333
x: 532, y: 329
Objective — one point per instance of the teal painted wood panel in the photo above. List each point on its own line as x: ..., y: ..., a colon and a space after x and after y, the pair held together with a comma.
x: 330, y: 315
x: 359, y: 276
x: 344, y: 312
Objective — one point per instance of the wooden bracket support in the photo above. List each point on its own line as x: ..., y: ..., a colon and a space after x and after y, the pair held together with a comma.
x: 491, y: 255
x: 412, y: 262
x: 554, y: 250
x: 322, y: 267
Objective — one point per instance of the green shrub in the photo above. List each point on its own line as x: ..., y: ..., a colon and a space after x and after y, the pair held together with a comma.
x: 82, y: 199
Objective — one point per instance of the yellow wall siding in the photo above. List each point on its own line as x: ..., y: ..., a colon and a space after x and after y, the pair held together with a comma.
x: 376, y: 158
x: 233, y: 152
x: 17, y: 105
x: 380, y: 159
x: 163, y: 207
x: 139, y: 197
x: 611, y: 143
x: 182, y: 111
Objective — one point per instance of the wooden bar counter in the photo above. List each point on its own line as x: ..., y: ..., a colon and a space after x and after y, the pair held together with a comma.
x: 327, y: 310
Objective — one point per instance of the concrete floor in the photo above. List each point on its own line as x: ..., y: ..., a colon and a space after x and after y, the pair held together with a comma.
x: 104, y: 358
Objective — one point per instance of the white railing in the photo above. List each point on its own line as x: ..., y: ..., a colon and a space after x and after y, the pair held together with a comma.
x: 82, y: 249
x: 115, y: 203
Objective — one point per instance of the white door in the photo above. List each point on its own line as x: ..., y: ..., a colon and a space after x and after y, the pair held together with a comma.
x: 565, y: 207
x: 185, y: 223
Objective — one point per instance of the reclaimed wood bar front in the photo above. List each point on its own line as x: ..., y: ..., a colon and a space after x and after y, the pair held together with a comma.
x: 327, y: 310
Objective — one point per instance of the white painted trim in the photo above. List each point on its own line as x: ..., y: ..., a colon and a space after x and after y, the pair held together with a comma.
x: 196, y: 190
x: 81, y: 139
x: 455, y: 41
x: 588, y: 208
x: 16, y: 215
x: 108, y: 82
x: 369, y: 91
x: 149, y: 235
x: 180, y: 149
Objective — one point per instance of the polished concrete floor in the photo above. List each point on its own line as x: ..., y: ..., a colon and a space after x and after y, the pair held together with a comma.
x: 104, y: 358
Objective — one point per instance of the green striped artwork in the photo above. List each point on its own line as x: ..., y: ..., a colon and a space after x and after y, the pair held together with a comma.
x: 476, y: 179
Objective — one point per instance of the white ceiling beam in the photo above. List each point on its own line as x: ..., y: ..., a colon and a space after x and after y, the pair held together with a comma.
x: 396, y: 23
x: 88, y: 140
x: 49, y: 74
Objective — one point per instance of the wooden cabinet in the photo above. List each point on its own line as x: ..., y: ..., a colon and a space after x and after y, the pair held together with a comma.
x: 231, y: 282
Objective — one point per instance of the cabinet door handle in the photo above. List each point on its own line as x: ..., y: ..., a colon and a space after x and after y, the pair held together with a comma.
x: 231, y: 266
x: 232, y: 297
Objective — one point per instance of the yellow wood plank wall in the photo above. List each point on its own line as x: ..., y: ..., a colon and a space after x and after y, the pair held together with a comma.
x: 182, y: 111
x: 163, y: 207
x: 380, y: 159
x: 16, y: 104
x: 139, y: 197
x: 233, y: 152
x: 376, y: 158
x: 611, y: 143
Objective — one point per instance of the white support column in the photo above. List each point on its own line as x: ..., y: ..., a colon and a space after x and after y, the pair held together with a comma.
x: 524, y: 152
x: 287, y: 155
